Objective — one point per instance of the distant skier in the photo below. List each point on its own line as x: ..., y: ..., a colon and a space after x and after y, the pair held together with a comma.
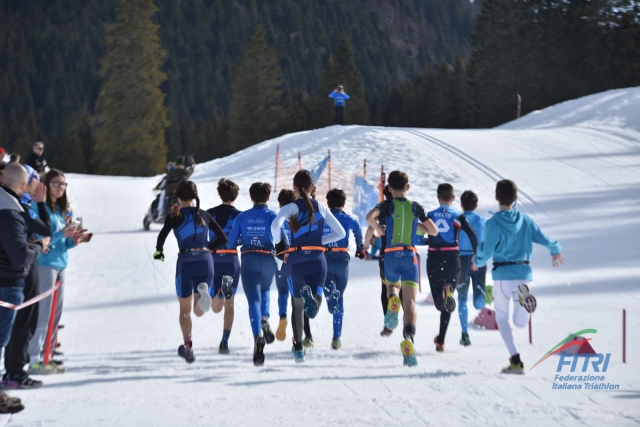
x: 339, y: 97
x: 194, y: 269
x: 508, y: 238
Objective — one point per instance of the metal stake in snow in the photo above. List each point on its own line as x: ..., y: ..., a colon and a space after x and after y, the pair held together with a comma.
x: 519, y: 106
x: 624, y: 336
x: 530, y: 332
x: 275, y: 181
x: 47, y: 346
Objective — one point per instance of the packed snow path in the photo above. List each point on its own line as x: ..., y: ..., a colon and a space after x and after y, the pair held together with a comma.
x: 581, y: 183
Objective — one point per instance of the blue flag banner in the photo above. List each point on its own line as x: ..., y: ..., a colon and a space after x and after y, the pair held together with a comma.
x: 365, y: 198
x: 319, y: 168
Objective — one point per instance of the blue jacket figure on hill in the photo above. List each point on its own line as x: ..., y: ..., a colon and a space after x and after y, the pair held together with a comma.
x: 508, y: 239
x: 339, y: 97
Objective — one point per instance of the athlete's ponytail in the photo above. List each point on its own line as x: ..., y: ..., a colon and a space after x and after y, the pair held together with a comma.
x: 303, y: 181
x: 187, y: 191
x: 198, y: 217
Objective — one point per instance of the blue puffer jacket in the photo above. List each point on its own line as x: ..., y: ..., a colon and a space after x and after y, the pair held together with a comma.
x: 57, y: 258
x: 509, y: 236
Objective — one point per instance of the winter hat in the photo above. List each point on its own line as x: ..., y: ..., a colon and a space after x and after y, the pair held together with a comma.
x: 32, y: 173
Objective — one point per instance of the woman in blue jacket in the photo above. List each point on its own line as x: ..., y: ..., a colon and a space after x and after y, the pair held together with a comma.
x: 51, y: 267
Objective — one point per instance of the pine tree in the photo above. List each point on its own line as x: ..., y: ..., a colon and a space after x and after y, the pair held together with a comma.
x: 460, y: 111
x: 323, y: 106
x: 256, y: 113
x: 131, y: 121
x: 347, y: 74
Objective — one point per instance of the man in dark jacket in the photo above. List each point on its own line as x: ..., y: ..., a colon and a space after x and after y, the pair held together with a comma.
x: 16, y: 353
x: 16, y: 255
x: 36, y: 159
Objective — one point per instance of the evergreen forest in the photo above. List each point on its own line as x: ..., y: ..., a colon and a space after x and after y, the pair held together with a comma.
x: 121, y: 86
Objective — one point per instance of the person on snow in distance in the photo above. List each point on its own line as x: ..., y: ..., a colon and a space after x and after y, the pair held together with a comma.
x: 339, y: 98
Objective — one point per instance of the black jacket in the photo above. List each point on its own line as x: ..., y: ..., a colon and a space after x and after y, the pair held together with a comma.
x: 39, y: 163
x: 16, y: 254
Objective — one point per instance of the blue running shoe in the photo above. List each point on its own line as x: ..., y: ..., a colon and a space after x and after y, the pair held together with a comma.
x: 227, y: 287
x: 393, y: 308
x: 311, y: 305
x: 332, y: 301
x: 186, y: 353
x: 299, y: 356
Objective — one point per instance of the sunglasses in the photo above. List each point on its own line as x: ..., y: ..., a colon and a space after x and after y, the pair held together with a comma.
x: 59, y: 184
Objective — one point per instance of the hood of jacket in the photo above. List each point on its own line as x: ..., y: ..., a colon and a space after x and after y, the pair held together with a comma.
x: 510, y: 221
x: 8, y: 201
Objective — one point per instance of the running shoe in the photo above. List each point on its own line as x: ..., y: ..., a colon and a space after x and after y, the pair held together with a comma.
x: 267, y: 332
x: 227, y: 287
x: 393, y: 308
x: 408, y: 353
x: 224, y: 348
x: 386, y: 332
x: 488, y: 294
x: 514, y: 368
x: 186, y: 353
x: 447, y: 298
x: 258, y: 351
x: 281, y: 332
x: 439, y: 347
x: 465, y: 341
x: 299, y: 356
x: 311, y: 305
x: 10, y: 405
x: 205, y: 299
x: 39, y: 368
x: 20, y: 380
x: 332, y: 301
x: 525, y: 298
x: 308, y: 342
x: 336, y: 344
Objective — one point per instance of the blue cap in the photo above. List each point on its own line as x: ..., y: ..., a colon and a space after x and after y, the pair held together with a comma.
x: 32, y: 173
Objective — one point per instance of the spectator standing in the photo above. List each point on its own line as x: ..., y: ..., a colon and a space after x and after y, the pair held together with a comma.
x: 339, y: 97
x: 16, y: 255
x: 36, y: 159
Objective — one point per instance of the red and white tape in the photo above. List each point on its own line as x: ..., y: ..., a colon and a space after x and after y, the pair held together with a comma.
x: 32, y: 300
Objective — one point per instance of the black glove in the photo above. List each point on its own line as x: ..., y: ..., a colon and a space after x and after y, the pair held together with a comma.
x: 361, y: 254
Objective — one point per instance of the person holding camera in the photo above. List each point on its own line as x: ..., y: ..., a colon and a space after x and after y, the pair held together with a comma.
x: 339, y: 97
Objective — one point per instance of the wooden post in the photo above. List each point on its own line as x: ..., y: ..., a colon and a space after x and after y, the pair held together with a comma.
x: 382, y: 179
x: 530, y: 332
x: 275, y: 181
x: 364, y: 173
x: 329, y: 166
x: 519, y: 106
x: 299, y: 161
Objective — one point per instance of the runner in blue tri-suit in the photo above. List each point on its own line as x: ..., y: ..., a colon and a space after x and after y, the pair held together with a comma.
x: 252, y: 229
x: 285, y: 197
x: 225, y: 261
x: 306, y: 265
x: 194, y: 269
x: 338, y: 258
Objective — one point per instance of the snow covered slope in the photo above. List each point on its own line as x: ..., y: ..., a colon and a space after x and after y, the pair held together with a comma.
x: 580, y: 182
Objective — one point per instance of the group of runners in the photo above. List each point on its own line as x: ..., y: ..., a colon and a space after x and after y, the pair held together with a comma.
x: 304, y: 246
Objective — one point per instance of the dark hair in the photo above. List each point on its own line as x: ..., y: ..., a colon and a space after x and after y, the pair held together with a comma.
x: 469, y: 200
x: 15, y: 157
x: 506, y: 192
x: 445, y: 192
x: 303, y: 181
x: 336, y: 198
x: 61, y: 201
x: 398, y: 180
x: 387, y: 193
x: 260, y: 191
x: 228, y: 190
x: 286, y: 196
x: 187, y: 190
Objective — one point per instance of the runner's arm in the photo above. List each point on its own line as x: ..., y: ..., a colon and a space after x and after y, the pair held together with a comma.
x: 337, y: 232
x: 466, y: 227
x: 285, y: 212
x: 221, y: 238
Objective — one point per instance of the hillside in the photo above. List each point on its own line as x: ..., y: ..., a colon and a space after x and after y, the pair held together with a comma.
x: 580, y: 184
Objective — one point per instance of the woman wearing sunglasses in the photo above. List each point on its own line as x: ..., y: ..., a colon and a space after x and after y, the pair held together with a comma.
x: 51, y: 267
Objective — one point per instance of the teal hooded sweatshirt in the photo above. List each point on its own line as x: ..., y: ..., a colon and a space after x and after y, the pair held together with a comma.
x: 509, y: 236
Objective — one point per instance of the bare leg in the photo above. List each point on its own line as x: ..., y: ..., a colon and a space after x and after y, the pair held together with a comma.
x: 409, y: 295
x: 196, y: 307
x: 185, y: 316
x: 217, y: 304
x: 228, y: 313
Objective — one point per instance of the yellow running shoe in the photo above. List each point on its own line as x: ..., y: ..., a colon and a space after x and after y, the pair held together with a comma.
x: 393, y: 308
x: 409, y: 353
x: 281, y: 333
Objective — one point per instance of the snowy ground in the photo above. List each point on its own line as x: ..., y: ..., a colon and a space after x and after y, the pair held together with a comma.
x: 580, y: 180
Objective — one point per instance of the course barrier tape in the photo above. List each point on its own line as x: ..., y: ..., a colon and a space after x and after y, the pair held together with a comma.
x: 32, y: 300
